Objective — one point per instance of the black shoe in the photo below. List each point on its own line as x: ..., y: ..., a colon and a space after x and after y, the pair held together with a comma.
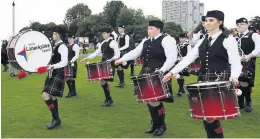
x: 241, y: 106
x: 12, y: 75
x: 248, y: 107
x: 6, y: 69
x: 159, y: 131
x: 53, y: 124
x: 118, y: 85
x: 151, y: 130
x: 70, y: 95
x: 179, y: 94
x: 121, y: 85
x: 107, y: 103
x: 104, y: 103
x: 169, y: 99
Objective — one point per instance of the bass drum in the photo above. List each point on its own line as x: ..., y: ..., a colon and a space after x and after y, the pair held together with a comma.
x: 29, y: 50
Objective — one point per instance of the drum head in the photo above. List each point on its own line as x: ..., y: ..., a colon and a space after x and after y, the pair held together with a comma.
x: 243, y: 84
x: 32, y: 50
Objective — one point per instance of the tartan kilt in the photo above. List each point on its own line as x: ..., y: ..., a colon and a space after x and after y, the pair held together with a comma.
x: 169, y: 83
x: 210, y: 75
x: 55, y: 85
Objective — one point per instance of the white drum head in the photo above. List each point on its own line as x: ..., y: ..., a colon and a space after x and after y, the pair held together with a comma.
x: 33, y: 50
x: 208, y: 83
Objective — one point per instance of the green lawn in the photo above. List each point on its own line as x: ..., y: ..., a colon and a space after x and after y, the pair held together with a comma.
x: 24, y: 113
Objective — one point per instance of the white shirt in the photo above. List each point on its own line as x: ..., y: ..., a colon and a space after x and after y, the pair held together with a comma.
x: 256, y: 39
x: 230, y: 45
x: 126, y: 42
x: 115, y: 35
x: 98, y: 45
x: 113, y: 44
x: 63, y: 50
x: 196, y: 38
x: 75, y: 48
x: 170, y: 50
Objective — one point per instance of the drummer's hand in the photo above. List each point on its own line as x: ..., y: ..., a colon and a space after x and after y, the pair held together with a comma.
x: 167, y: 77
x: 234, y: 80
x: 49, y: 67
x: 82, y: 61
x: 117, y: 62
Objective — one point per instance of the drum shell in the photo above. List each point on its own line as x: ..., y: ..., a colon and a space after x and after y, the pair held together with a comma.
x: 11, y: 52
x: 216, y: 105
x: 98, y: 71
x: 150, y: 88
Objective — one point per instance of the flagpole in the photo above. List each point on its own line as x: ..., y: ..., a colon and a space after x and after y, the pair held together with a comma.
x: 13, y: 18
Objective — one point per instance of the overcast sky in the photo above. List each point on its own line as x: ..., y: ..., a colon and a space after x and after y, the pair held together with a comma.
x: 45, y: 11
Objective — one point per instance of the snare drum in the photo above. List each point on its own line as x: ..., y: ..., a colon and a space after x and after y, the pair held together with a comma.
x: 29, y: 50
x: 212, y: 101
x: 139, y: 61
x: 247, y: 76
x: 98, y: 71
x: 150, y: 87
x: 195, y: 66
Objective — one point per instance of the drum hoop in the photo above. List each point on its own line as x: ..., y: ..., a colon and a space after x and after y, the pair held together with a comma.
x: 229, y: 115
x: 195, y: 87
x: 148, y: 99
x: 198, y: 84
x: 145, y: 76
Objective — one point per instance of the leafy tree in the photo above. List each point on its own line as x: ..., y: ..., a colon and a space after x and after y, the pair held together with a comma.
x: 111, y: 12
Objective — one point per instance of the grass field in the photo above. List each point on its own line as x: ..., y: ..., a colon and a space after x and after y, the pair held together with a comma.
x: 24, y: 113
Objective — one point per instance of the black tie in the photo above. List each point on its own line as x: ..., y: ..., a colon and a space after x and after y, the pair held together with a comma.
x: 153, y: 40
x: 209, y: 41
x: 241, y: 35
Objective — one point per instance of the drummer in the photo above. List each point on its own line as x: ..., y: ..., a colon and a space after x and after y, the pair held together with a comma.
x: 159, y: 54
x: 216, y: 52
x: 110, y: 52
